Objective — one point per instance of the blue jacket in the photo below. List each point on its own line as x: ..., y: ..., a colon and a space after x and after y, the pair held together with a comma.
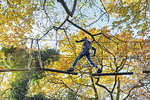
x: 86, y: 45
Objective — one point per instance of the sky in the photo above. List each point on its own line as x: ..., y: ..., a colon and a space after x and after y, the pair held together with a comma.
x: 60, y: 16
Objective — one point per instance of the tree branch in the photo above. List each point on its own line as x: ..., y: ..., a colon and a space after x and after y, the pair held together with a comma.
x: 66, y: 7
x: 90, y: 35
x: 137, y: 86
x: 93, y: 85
x: 114, y: 84
x: 74, y: 7
x: 118, y: 90
x: 122, y: 64
x: 81, y: 29
x: 105, y: 10
x: 104, y: 88
x: 82, y: 96
x: 5, y: 92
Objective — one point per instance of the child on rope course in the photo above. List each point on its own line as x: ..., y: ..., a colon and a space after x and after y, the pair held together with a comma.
x: 86, y: 46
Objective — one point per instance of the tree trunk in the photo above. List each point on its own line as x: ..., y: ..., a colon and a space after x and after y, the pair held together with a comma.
x: 118, y: 90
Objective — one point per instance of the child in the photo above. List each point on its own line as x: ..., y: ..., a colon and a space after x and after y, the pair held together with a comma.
x: 86, y: 46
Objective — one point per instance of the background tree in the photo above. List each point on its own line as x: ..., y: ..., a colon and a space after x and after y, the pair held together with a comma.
x: 118, y: 60
x: 61, y: 19
x: 18, y: 58
x: 16, y: 21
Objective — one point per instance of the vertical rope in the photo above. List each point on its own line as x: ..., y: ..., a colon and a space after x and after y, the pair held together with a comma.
x: 56, y: 39
x: 129, y: 62
x: 39, y: 55
x: 30, y: 56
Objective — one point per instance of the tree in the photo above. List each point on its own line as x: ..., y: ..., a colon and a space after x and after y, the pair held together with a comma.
x: 16, y: 21
x: 60, y: 18
x: 18, y: 58
x: 130, y: 15
x: 114, y: 54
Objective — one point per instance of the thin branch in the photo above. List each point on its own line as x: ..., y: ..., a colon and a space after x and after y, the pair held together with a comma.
x: 69, y: 41
x: 96, y: 20
x: 62, y: 23
x: 103, y: 48
x: 122, y: 64
x: 82, y: 96
x: 114, y: 84
x: 45, y: 34
x: 137, y: 86
x: 46, y: 12
x: 5, y: 92
x: 104, y: 36
x: 105, y: 10
x: 93, y: 85
x: 104, y: 88
x: 56, y: 28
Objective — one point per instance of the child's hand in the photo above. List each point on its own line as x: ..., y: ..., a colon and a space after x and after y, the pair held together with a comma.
x: 77, y: 41
x: 93, y: 55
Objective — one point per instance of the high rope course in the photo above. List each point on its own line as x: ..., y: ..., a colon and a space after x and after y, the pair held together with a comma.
x: 61, y: 71
x: 41, y: 68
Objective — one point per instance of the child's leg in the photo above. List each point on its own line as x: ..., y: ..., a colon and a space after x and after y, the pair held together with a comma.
x: 75, y: 62
x: 77, y: 59
x: 89, y: 59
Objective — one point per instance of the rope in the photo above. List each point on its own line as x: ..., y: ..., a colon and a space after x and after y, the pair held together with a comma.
x: 30, y: 56
x: 39, y: 54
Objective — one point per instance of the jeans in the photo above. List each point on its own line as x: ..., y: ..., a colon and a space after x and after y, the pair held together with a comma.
x: 87, y: 54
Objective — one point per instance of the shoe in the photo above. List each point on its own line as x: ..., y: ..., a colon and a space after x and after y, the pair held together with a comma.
x: 99, y: 70
x: 70, y: 70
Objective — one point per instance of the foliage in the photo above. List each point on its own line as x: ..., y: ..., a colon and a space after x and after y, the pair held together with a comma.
x: 19, y: 59
x: 14, y: 57
x: 19, y: 89
x: 37, y: 97
x: 48, y: 56
x: 130, y: 15
x: 126, y: 49
x: 125, y: 54
x: 16, y: 21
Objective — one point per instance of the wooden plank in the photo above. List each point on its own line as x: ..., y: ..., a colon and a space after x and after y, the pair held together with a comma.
x: 146, y: 71
x: 58, y: 71
x: 13, y: 70
x: 110, y: 74
x: 44, y: 69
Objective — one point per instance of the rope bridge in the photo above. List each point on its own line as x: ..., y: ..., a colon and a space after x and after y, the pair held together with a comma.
x: 67, y: 72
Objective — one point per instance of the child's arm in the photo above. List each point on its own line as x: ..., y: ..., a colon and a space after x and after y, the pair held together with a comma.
x: 94, y: 51
x: 81, y: 40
